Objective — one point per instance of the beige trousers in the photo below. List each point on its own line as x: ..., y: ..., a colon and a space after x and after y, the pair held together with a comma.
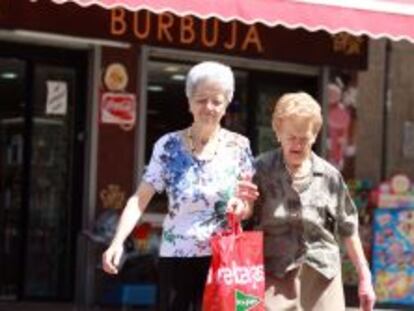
x: 304, y: 289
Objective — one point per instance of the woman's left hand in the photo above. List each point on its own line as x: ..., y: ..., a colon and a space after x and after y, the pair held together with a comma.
x: 366, y: 294
x: 238, y: 207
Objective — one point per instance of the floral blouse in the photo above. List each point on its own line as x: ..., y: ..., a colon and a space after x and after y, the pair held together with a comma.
x: 197, y: 190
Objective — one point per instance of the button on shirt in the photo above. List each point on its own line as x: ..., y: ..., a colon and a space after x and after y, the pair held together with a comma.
x: 302, y: 227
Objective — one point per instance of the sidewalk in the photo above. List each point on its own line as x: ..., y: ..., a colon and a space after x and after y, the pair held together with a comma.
x: 17, y: 306
x: 49, y: 306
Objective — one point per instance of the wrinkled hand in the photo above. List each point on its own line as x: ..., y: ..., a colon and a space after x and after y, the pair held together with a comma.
x: 366, y: 294
x: 111, y: 259
x: 237, y: 207
x: 246, y: 189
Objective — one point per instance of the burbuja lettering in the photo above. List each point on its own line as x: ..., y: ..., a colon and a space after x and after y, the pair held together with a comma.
x: 240, y: 274
x: 168, y: 28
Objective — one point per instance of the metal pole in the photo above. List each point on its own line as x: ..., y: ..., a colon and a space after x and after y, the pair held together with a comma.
x: 86, y: 257
x: 386, y: 103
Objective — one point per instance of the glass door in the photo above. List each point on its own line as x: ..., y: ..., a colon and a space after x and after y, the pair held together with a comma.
x: 12, y: 133
x: 41, y: 176
x: 49, y: 246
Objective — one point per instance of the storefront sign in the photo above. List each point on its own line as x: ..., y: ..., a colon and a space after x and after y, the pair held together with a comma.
x: 167, y: 29
x: 240, y: 39
x: 191, y: 33
x: 347, y: 44
x: 118, y: 108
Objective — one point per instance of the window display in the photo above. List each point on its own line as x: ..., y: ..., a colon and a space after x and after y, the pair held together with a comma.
x: 393, y: 251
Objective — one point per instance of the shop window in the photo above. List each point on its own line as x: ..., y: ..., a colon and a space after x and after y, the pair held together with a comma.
x: 167, y: 105
x: 265, y: 90
x: 342, y: 121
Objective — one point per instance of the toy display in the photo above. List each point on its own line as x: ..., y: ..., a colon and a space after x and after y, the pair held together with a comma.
x: 393, y: 251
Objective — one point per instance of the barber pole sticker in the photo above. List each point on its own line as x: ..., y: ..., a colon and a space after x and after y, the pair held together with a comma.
x: 118, y: 108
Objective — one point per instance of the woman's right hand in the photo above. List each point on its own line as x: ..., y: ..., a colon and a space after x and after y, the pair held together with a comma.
x: 246, y: 189
x: 111, y: 258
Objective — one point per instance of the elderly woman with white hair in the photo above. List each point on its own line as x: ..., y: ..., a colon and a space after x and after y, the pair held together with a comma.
x: 303, y: 207
x: 198, y: 167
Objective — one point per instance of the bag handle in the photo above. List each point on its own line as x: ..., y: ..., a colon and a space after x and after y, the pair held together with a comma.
x: 234, y: 223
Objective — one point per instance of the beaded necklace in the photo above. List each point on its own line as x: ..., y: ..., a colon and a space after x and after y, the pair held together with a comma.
x: 212, y: 144
x: 300, y: 182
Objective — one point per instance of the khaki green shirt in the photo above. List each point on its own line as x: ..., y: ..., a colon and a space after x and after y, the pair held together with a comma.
x: 302, y: 227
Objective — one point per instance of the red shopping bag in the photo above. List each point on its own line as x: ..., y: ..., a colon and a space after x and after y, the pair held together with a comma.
x: 236, y: 277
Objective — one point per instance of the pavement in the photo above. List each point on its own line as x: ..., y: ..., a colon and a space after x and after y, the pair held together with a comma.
x: 32, y: 306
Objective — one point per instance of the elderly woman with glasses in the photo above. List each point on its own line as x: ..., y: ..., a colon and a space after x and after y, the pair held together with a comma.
x: 198, y: 168
x: 303, y: 206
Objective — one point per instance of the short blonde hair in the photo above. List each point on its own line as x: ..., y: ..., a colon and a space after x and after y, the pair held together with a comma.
x: 298, y: 104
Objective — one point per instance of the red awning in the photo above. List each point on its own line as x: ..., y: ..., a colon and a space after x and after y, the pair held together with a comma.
x: 392, y: 19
